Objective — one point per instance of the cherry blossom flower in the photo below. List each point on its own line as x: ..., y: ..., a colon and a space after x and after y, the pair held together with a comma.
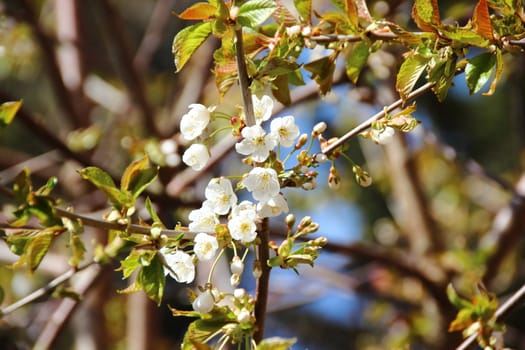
x: 196, y: 156
x: 284, y: 130
x: 204, y: 302
x: 237, y: 266
x: 203, y: 219
x: 273, y: 207
x: 242, y: 229
x: 220, y: 196
x: 262, y: 108
x: 180, y: 265
x: 256, y: 142
x: 195, y: 121
x: 246, y: 209
x: 205, y: 246
x: 263, y: 183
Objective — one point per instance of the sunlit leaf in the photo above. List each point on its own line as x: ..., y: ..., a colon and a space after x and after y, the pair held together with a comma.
x: 187, y: 41
x: 276, y: 343
x: 199, y: 11
x: 481, y: 20
x: 356, y: 61
x: 103, y: 181
x: 152, y: 279
x: 350, y: 9
x: 199, y: 330
x: 409, y: 73
x: 254, y: 12
x: 304, y: 8
x: 31, y: 246
x: 130, y: 264
x: 464, y: 36
x: 479, y: 70
x: 137, y: 177
x: 497, y: 74
x: 455, y: 299
x: 426, y: 14
x: 8, y: 111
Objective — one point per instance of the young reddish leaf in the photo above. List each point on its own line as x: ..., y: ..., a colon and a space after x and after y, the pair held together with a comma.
x: 426, y: 14
x: 188, y: 40
x: 356, y: 61
x: 479, y: 70
x: 481, y: 20
x: 409, y: 73
x: 199, y: 11
x: 8, y: 111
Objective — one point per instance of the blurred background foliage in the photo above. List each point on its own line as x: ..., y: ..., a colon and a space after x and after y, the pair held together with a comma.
x: 98, y: 84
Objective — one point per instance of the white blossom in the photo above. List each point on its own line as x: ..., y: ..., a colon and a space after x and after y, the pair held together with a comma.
x: 263, y: 183
x: 204, y: 302
x: 383, y: 136
x: 273, y: 207
x: 203, y: 219
x: 256, y: 142
x: 196, y: 156
x: 242, y: 228
x: 220, y: 196
x: 180, y: 265
x: 195, y: 121
x: 285, y: 130
x: 246, y: 209
x: 262, y: 108
x: 205, y: 246
x: 244, y: 316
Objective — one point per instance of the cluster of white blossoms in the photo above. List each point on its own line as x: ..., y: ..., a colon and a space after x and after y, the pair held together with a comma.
x: 192, y: 125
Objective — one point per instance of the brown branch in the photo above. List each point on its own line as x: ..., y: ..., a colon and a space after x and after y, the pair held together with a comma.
x: 244, y: 80
x: 151, y: 39
x: 130, y: 75
x: 64, y: 99
x: 506, y: 232
x: 263, y: 282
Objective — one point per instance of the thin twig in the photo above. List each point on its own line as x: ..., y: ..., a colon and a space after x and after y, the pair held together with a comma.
x: 244, y: 81
x: 48, y: 288
x: 367, y: 123
x: 515, y: 299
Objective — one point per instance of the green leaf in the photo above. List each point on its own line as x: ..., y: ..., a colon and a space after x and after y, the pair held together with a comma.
x: 409, y: 73
x: 322, y: 72
x: 455, y: 299
x: 304, y: 8
x: 277, y: 66
x: 199, y: 11
x: 465, y: 36
x: 276, y: 343
x: 356, y: 61
x: 152, y: 279
x: 2, y: 296
x: 8, y: 111
x: 199, y: 330
x: 281, y: 89
x: 130, y: 264
x: 479, y: 70
x: 153, y: 213
x: 254, y: 12
x: 137, y: 177
x: 497, y: 75
x: 22, y: 186
x: 31, y: 246
x: 104, y: 182
x: 187, y: 41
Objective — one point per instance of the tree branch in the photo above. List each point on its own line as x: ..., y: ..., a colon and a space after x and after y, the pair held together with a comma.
x: 263, y: 282
x: 244, y: 80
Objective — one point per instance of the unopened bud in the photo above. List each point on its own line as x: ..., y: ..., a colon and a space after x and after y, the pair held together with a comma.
x: 290, y: 220
x: 235, y: 279
x: 257, y: 269
x: 306, y: 221
x: 155, y: 232
x: 320, y: 241
x: 244, y: 316
x: 319, y: 128
x: 303, y: 139
x: 234, y: 12
x: 239, y: 293
x: 320, y: 158
x: 237, y: 266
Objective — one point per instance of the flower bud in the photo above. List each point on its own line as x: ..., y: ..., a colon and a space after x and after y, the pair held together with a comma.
x: 204, y: 302
x: 306, y: 221
x: 319, y: 128
x: 235, y: 279
x: 290, y: 220
x: 234, y: 12
x: 244, y: 316
x: 301, y: 141
x: 257, y: 269
x: 155, y: 232
x: 320, y: 158
x: 239, y: 293
x: 237, y: 266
